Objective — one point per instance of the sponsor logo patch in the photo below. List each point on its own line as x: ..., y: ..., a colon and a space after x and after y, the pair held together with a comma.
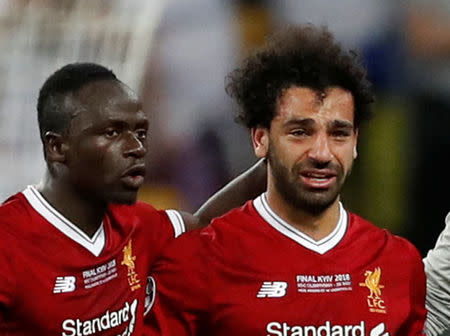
x: 108, y: 320
x: 274, y: 289
x: 65, y: 284
x: 327, y: 329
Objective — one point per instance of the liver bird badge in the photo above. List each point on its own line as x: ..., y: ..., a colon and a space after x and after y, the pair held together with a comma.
x: 372, y: 282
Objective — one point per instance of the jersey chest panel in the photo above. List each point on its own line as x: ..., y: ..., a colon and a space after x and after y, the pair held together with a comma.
x: 81, y: 297
x: 325, y: 295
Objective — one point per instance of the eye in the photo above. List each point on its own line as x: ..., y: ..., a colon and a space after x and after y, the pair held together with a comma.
x: 142, y: 134
x: 111, y: 133
x: 298, y: 132
x: 341, y: 134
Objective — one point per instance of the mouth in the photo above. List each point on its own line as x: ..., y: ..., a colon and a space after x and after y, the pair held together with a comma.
x: 318, y: 179
x: 133, y: 177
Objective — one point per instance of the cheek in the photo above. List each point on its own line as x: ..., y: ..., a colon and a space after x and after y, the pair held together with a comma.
x: 96, y: 159
x: 292, y: 151
x: 346, y: 157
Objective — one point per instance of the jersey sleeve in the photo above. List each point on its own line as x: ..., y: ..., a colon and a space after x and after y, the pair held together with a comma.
x: 161, y: 226
x: 437, y: 268
x: 181, y: 290
x: 177, y: 222
x: 7, y: 274
x: 415, y: 322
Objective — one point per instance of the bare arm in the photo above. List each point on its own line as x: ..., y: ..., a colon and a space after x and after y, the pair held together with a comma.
x: 244, y: 187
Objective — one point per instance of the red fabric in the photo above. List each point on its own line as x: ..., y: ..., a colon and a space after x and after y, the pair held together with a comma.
x: 33, y: 253
x: 208, y: 281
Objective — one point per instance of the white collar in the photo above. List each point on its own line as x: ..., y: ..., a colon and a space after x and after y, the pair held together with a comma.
x: 321, y: 246
x: 94, y: 245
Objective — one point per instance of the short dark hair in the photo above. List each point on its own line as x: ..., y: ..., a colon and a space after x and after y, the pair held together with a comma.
x: 305, y: 56
x: 52, y: 115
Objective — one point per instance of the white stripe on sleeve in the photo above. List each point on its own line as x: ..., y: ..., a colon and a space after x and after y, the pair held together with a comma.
x: 177, y: 222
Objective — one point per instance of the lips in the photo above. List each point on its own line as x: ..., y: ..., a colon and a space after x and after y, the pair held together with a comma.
x: 318, y: 179
x: 133, y: 177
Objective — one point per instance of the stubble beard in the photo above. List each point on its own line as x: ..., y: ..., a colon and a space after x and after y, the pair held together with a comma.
x: 289, y: 186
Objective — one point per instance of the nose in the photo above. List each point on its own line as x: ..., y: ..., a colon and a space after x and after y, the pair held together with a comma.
x: 320, y: 149
x: 134, y: 146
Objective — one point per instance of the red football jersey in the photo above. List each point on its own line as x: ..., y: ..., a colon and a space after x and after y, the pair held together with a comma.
x: 251, y: 273
x: 56, y: 280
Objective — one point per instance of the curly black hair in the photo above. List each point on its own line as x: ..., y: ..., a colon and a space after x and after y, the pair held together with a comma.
x: 52, y: 112
x: 304, y: 56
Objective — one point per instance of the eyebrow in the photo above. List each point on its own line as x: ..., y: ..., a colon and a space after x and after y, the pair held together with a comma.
x: 116, y: 121
x: 304, y: 122
x: 309, y: 122
x: 341, y: 124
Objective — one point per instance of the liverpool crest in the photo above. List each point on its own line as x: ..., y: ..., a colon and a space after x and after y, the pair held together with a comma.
x: 374, y: 300
x: 128, y: 261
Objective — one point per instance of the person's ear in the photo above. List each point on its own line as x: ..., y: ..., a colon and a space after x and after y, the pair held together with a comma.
x: 260, y: 140
x: 55, y: 147
x: 355, y: 151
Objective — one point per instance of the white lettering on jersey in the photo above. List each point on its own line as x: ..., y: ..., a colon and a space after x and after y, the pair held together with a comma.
x: 327, y: 329
x: 104, y: 322
x: 64, y: 284
x: 272, y: 289
x: 379, y: 330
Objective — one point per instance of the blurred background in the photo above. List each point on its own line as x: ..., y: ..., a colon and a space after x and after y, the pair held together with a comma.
x: 176, y: 54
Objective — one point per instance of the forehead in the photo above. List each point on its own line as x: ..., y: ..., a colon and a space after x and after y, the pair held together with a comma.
x: 333, y: 103
x: 103, y: 100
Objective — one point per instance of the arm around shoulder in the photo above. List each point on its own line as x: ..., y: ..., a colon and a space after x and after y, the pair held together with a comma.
x: 244, y: 187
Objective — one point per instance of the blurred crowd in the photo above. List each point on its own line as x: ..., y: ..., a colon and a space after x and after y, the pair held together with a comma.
x: 177, y: 53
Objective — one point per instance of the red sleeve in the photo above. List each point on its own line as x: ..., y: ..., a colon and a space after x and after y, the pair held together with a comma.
x: 7, y: 272
x: 414, y: 325
x: 182, y: 293
x: 161, y: 226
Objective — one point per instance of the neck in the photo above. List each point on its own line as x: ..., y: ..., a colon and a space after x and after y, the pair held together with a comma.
x: 316, y: 226
x: 86, y: 214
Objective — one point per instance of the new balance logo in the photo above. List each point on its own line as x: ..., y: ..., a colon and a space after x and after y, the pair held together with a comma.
x: 272, y: 289
x: 64, y: 284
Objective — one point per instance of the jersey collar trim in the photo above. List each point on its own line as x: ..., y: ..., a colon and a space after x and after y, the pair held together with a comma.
x: 94, y: 245
x: 321, y: 246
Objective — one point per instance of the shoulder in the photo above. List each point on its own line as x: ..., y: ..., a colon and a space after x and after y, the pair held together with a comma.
x: 188, y: 245
x: 390, y: 243
x: 158, y: 225
x: 438, y: 259
x: 15, y: 213
x: 235, y: 220
x: 16, y: 219
x: 221, y: 239
x: 142, y: 213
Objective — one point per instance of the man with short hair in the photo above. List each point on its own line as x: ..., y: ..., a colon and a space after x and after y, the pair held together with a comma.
x: 76, y: 249
x: 294, y: 261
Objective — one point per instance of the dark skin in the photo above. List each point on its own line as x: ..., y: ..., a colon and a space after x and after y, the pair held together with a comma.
x: 99, y: 160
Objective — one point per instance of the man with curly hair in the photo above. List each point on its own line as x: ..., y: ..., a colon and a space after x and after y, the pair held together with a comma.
x: 294, y: 261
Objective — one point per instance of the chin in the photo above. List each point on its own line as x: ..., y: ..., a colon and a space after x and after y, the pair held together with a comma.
x: 317, y: 207
x: 311, y: 202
